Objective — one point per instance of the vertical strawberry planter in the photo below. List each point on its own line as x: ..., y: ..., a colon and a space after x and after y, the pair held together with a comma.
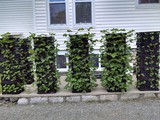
x: 1, y: 59
x: 148, y: 61
x: 45, y: 51
x: 26, y: 64
x: 116, y: 75
x: 80, y: 76
x: 12, y: 78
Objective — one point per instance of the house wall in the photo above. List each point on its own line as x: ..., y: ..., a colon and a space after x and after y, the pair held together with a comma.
x: 107, y: 14
x: 26, y: 16
x: 16, y: 16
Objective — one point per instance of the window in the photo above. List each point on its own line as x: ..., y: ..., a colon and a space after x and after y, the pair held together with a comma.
x: 148, y: 1
x: 61, y: 60
x: 148, y: 4
x: 95, y: 60
x: 57, y: 9
x: 83, y: 11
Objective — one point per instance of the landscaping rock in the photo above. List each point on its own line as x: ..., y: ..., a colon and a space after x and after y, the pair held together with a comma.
x: 141, y: 96
x: 7, y: 99
x: 22, y: 101
x: 56, y: 99
x: 108, y: 97
x: 89, y: 98
x: 13, y: 99
x: 73, y: 99
x: 157, y: 95
x: 129, y: 96
x: 1, y: 104
x: 149, y: 95
x: 35, y: 100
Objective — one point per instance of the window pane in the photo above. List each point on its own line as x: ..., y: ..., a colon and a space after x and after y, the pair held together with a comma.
x: 95, y: 60
x: 83, y: 12
x: 154, y: 1
x: 148, y: 1
x: 57, y: 13
x: 102, y: 59
x: 61, y: 60
x: 143, y: 1
x: 56, y: 0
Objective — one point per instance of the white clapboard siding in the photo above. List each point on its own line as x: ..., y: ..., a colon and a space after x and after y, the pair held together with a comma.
x: 16, y: 16
x: 107, y: 14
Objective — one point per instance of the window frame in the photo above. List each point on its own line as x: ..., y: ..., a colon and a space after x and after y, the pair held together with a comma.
x: 83, y: 25
x: 148, y: 2
x: 147, y: 5
x: 63, y: 52
x: 63, y: 69
x: 57, y: 26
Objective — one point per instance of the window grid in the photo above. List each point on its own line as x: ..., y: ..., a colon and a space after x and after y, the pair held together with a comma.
x: 148, y: 1
x: 62, y: 69
x: 85, y: 22
x: 61, y: 17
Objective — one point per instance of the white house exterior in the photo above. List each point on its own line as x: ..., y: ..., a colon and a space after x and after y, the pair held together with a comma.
x: 24, y: 16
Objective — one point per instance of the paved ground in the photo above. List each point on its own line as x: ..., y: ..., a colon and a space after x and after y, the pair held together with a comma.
x: 148, y: 109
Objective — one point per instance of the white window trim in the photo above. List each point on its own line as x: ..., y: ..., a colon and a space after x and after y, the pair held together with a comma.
x: 83, y: 25
x: 63, y: 69
x: 147, y: 5
x: 57, y: 26
x: 67, y: 60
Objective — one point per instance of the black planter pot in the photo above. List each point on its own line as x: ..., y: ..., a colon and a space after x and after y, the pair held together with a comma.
x: 87, y: 90
x: 1, y: 59
x: 146, y: 87
x: 145, y: 55
x: 40, y: 43
x: 77, y: 63
x: 29, y: 81
x: 39, y: 91
x: 51, y: 87
x: 116, y: 90
x: 81, y: 91
x: 3, y: 83
x: 17, y: 92
x: 29, y: 77
x: 48, y: 92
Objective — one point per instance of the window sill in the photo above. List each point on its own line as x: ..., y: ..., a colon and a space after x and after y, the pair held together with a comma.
x: 77, y: 26
x: 148, y: 6
x: 58, y: 27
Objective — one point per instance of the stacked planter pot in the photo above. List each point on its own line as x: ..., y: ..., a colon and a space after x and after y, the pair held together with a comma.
x: 1, y: 59
x: 80, y: 77
x: 148, y: 61
x: 116, y: 75
x: 45, y: 56
x: 26, y: 64
x: 79, y: 60
x: 12, y: 78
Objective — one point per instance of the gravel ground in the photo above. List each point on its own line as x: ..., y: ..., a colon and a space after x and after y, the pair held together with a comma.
x: 145, y: 109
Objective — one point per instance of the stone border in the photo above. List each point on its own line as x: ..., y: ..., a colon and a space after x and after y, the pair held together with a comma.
x: 78, y: 98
